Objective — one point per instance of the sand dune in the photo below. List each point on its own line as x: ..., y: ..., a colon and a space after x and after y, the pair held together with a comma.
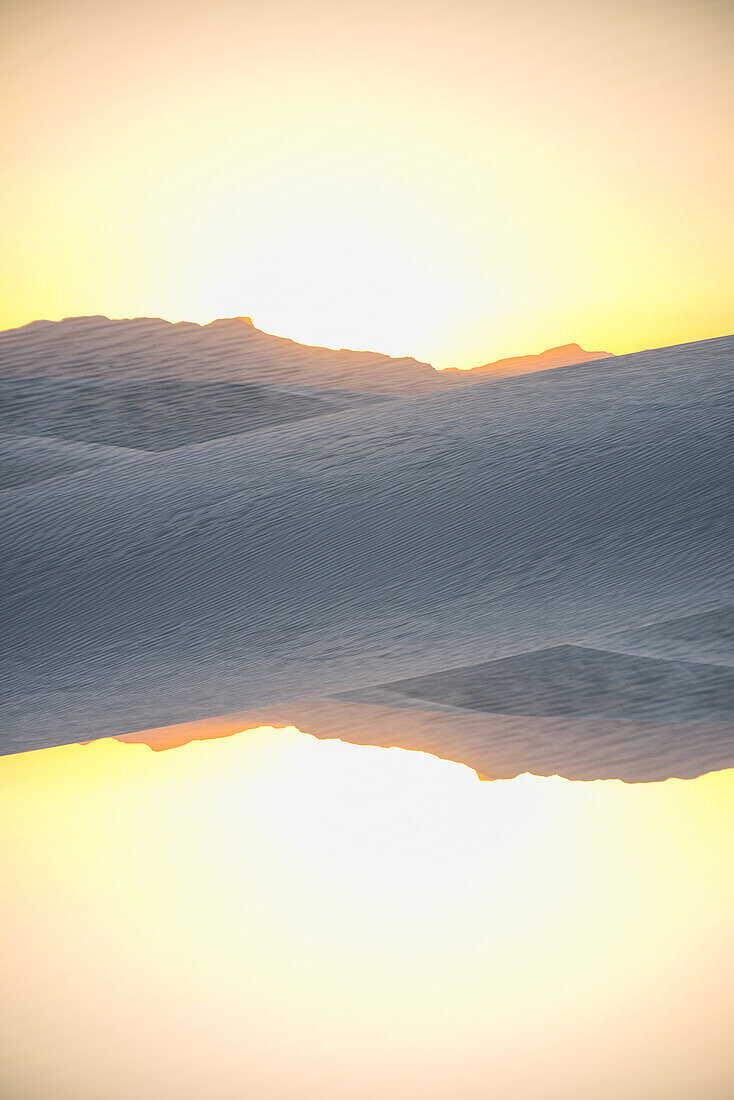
x: 228, y: 350
x: 232, y: 350
x: 576, y: 681
x: 375, y: 544
x: 562, y: 356
x: 496, y: 746
x: 27, y: 460
x: 706, y: 636
x: 158, y: 415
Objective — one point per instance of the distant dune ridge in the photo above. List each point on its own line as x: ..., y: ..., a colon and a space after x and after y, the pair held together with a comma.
x: 228, y: 350
x: 564, y: 356
x: 520, y: 573
x: 231, y: 350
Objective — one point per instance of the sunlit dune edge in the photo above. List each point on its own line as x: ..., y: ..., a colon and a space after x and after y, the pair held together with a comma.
x: 237, y: 334
x: 168, y: 739
x: 495, y: 746
x: 372, y: 547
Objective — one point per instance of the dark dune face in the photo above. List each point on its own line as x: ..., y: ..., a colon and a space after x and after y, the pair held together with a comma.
x: 706, y: 636
x: 158, y: 415
x: 227, y: 350
x: 28, y: 459
x: 578, y: 682
x: 232, y: 350
x: 470, y: 529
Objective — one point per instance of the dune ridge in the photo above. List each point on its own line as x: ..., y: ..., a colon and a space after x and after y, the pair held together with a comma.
x: 564, y: 355
x: 379, y: 543
x: 232, y: 350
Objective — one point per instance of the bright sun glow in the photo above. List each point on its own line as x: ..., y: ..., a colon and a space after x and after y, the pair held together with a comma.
x: 273, y: 916
x: 454, y: 181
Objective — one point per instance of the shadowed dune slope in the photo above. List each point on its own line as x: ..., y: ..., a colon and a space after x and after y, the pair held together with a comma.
x: 232, y: 350
x: 439, y: 713
x: 159, y: 415
x: 372, y: 545
x: 497, y: 746
x: 227, y: 350
x: 576, y: 681
x: 707, y: 636
x: 26, y: 460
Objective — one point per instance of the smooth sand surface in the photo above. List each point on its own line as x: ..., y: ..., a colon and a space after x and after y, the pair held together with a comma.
x: 388, y: 542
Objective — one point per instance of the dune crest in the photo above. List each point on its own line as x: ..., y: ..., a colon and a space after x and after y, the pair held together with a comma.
x: 232, y: 349
x: 269, y: 545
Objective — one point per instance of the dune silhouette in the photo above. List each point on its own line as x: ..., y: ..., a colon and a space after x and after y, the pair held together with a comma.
x: 159, y: 415
x: 577, y: 681
x: 379, y: 542
x: 227, y: 350
x: 232, y: 350
x: 563, y: 356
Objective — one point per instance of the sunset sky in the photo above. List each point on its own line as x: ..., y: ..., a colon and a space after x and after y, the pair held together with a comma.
x: 269, y: 915
x: 457, y: 181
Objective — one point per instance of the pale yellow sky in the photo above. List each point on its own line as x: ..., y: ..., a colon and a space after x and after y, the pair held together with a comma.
x: 456, y: 181
x: 272, y: 916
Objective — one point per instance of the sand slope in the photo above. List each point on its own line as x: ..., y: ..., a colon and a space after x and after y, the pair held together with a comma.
x: 232, y: 350
x: 159, y: 415
x: 569, y: 681
x: 228, y: 350
x: 26, y: 460
x: 367, y: 546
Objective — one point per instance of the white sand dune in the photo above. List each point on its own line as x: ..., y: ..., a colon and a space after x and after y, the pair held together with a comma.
x: 569, y: 681
x: 228, y: 350
x: 159, y: 415
x: 26, y: 460
x: 496, y: 746
x: 389, y: 541
x: 707, y: 636
x: 232, y: 350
